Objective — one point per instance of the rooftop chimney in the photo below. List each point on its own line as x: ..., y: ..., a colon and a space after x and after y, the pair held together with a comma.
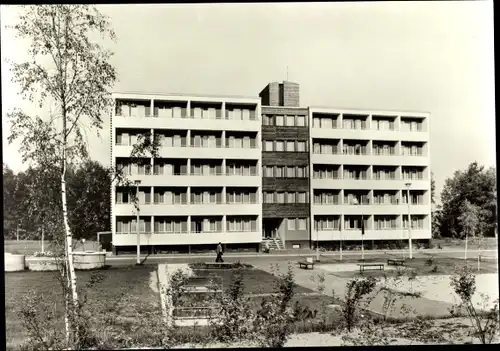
x: 280, y: 94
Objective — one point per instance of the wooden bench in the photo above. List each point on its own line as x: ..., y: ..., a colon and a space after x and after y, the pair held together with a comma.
x: 362, y: 266
x: 306, y: 264
x: 396, y: 262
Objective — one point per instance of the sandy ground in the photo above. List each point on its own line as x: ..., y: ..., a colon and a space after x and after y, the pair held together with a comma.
x: 347, y: 267
x: 453, y: 330
x: 437, y: 288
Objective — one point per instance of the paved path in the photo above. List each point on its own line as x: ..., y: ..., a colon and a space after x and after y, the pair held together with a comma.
x: 209, y: 256
x: 337, y: 284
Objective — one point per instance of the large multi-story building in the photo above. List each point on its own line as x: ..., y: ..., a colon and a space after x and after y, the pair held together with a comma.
x: 205, y: 185
x: 237, y: 170
x: 362, y: 165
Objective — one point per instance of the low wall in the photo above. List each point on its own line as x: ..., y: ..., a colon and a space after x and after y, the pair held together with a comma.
x: 89, y: 260
x: 41, y: 264
x: 81, y: 260
x: 14, y: 263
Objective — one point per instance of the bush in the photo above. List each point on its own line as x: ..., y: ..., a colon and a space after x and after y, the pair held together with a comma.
x: 357, y: 288
x: 44, y: 254
x: 485, y: 323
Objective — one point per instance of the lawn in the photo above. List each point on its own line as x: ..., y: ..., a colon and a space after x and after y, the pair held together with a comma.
x: 255, y: 281
x: 127, y: 287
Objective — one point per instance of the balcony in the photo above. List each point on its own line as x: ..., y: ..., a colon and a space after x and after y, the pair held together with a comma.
x: 197, y: 180
x: 188, y: 209
x: 184, y: 123
x: 373, y: 184
x: 187, y: 238
x: 370, y: 234
x: 369, y: 159
x: 371, y: 209
x: 210, y: 152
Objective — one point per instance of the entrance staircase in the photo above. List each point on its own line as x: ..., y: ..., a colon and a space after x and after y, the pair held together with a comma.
x: 274, y: 243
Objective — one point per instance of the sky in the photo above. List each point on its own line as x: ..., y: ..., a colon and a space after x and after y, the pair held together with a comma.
x: 418, y: 56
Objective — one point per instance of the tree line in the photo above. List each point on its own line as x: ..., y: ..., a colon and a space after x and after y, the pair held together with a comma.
x: 468, y: 204
x: 32, y: 200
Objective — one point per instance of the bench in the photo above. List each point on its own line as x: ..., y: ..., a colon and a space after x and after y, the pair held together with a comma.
x: 396, y: 262
x: 306, y: 264
x: 363, y: 266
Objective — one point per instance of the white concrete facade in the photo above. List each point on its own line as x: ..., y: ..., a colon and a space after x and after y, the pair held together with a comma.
x: 385, y: 156
x: 234, y: 121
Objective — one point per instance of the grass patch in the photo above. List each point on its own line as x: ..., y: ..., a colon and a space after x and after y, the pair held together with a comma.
x: 128, y: 287
x: 255, y: 281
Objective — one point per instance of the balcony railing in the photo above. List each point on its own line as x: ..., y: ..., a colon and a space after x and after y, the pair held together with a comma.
x: 190, y: 116
x: 255, y: 202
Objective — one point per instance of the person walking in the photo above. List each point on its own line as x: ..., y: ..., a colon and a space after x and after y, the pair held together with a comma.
x: 219, y: 253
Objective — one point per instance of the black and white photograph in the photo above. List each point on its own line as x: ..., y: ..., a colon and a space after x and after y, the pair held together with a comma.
x: 256, y: 174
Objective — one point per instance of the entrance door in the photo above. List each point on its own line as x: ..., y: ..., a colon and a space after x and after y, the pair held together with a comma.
x: 270, y: 227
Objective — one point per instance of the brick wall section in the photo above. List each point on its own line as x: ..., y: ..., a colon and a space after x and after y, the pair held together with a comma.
x: 281, y: 94
x: 285, y: 210
x: 285, y: 133
x: 290, y: 94
x: 274, y: 94
x: 282, y: 110
x: 270, y: 158
x: 285, y: 184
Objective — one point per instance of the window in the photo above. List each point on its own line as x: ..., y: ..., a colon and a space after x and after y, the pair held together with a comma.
x: 268, y: 171
x: 290, y: 172
x: 290, y: 198
x: 301, y: 121
x: 301, y: 198
x: 290, y: 121
x: 279, y: 120
x: 280, y: 145
x: 290, y: 146
x: 326, y: 123
x: 291, y: 223
x: 316, y: 122
x: 280, y: 198
x: 300, y: 172
x: 301, y: 146
x: 302, y: 224
x: 268, y: 145
x: 268, y: 198
x: 267, y: 120
x: 279, y: 172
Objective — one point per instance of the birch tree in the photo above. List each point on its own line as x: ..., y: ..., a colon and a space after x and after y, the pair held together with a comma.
x: 469, y: 221
x: 68, y: 70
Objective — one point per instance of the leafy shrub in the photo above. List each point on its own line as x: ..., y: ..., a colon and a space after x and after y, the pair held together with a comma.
x: 357, y: 288
x: 484, y: 323
x: 45, y: 254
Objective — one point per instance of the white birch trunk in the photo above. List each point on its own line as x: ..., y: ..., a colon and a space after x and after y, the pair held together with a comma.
x: 66, y: 279
x: 69, y: 238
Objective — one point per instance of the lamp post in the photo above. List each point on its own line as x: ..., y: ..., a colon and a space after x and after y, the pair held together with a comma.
x: 408, y: 185
x: 137, y: 183
x: 355, y: 202
x: 340, y: 225
x: 317, y: 244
